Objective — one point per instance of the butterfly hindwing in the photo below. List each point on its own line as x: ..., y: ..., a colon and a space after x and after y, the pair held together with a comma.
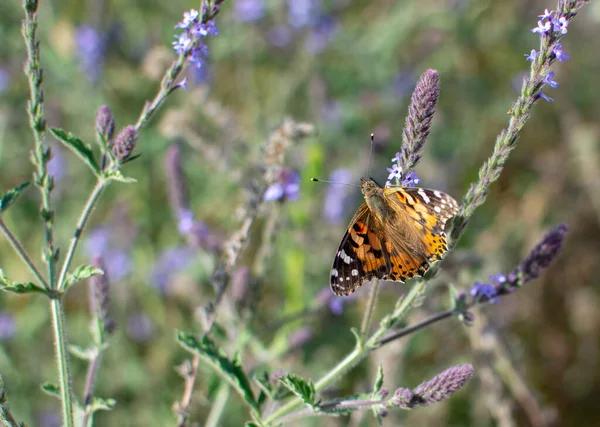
x: 361, y: 255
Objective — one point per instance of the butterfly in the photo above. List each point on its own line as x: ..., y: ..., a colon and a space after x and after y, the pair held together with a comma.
x: 394, y: 235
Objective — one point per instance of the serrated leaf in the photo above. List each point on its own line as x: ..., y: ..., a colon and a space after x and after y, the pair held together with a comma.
x: 378, y: 381
x: 9, y: 197
x: 18, y: 287
x: 81, y: 273
x: 80, y: 148
x: 230, y: 370
x: 304, y: 390
x: 51, y: 389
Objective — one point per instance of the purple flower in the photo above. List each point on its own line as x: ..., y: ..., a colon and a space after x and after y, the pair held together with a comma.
x: 336, y: 197
x: 172, y: 261
x: 543, y: 27
x: 91, y: 47
x: 411, y: 179
x: 396, y: 174
x: 248, y: 10
x: 116, y: 260
x: 323, y: 32
x: 336, y: 305
x: 543, y: 96
x: 286, y: 188
x: 486, y: 290
x: 8, y: 325
x: 279, y: 36
x: 4, y: 80
x: 548, y: 80
x: 532, y: 56
x: 302, y: 13
x: 139, y: 327
x: 189, y: 42
x: 57, y: 167
x: 547, y: 14
x: 403, y: 83
x: 560, y: 25
x: 560, y: 55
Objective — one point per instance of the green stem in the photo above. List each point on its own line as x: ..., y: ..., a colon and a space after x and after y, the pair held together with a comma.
x: 83, y: 218
x: 22, y: 253
x: 368, y: 316
x: 62, y: 354
x: 359, y: 352
x: 218, y: 407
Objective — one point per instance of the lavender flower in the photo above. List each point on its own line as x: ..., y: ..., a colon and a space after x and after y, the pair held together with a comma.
x: 279, y: 36
x: 140, y: 328
x: 532, y: 56
x: 105, y: 123
x: 248, y: 10
x: 486, y: 290
x: 302, y: 13
x: 440, y: 387
x: 559, y: 54
x: 336, y: 197
x: 396, y: 176
x: 117, y: 261
x: 286, y: 188
x: 190, y: 43
x: 177, y: 182
x: 99, y: 296
x: 418, y: 121
x: 124, y: 143
x: 8, y: 325
x: 321, y: 34
x: 4, y: 80
x: 170, y: 262
x: 91, y: 48
x: 543, y: 254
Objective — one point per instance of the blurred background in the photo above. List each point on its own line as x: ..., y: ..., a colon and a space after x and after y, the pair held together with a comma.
x: 349, y: 68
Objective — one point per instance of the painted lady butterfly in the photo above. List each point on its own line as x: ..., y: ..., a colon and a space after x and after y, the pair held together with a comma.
x: 395, y: 235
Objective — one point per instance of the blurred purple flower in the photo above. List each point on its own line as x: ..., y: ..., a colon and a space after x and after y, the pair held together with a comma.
x: 321, y: 35
x: 248, y: 10
x: 336, y: 305
x: 116, y: 260
x: 8, y: 325
x: 139, y: 327
x: 331, y: 112
x: 403, y: 83
x: 396, y: 175
x: 57, y: 167
x: 48, y: 418
x: 336, y: 197
x: 302, y: 13
x: 542, y: 95
x: 532, y: 56
x: 548, y: 80
x: 279, y: 36
x: 172, y: 261
x: 486, y: 290
x: 286, y: 188
x: 4, y: 80
x: 560, y: 55
x: 91, y: 47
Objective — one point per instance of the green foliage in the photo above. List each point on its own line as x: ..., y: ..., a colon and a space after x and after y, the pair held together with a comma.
x: 81, y: 149
x: 18, y: 287
x: 9, y: 198
x: 301, y: 388
x: 81, y: 273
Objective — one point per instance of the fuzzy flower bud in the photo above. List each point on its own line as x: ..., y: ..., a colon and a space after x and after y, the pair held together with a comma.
x: 418, y: 122
x: 99, y: 296
x: 105, y: 123
x: 544, y: 253
x: 124, y: 143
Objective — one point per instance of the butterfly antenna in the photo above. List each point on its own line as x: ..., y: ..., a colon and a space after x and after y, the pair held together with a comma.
x: 370, y: 154
x: 333, y: 182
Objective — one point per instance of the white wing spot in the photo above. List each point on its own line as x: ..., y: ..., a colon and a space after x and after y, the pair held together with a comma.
x: 346, y: 258
x: 355, y: 272
x: 334, y: 273
x: 341, y: 279
x: 437, y: 209
x: 437, y: 194
x: 423, y: 196
x: 347, y: 278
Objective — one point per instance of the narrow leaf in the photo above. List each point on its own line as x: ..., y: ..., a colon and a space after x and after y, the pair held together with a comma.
x: 51, y: 389
x: 81, y: 273
x: 304, y: 390
x: 80, y: 148
x: 230, y: 370
x: 99, y: 404
x: 9, y: 198
x: 18, y: 287
x: 378, y: 381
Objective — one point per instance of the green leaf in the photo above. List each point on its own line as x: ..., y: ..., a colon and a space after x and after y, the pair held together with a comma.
x: 230, y: 370
x: 118, y: 176
x: 304, y: 390
x: 51, y: 389
x: 80, y: 148
x: 82, y: 353
x: 10, y: 197
x: 81, y: 273
x: 378, y: 381
x: 19, y: 287
x: 99, y: 404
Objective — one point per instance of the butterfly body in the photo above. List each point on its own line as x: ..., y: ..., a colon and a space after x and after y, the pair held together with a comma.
x: 395, y: 235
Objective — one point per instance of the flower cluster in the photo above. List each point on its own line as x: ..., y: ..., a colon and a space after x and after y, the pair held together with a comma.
x: 538, y: 259
x: 190, y: 43
x: 287, y: 187
x: 396, y: 174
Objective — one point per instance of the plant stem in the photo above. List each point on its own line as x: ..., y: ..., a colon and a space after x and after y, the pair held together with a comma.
x: 410, y: 329
x: 216, y: 412
x: 85, y: 214
x: 187, y: 394
x: 368, y: 316
x: 62, y: 354
x: 359, y: 352
x: 88, y: 392
x: 22, y: 253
